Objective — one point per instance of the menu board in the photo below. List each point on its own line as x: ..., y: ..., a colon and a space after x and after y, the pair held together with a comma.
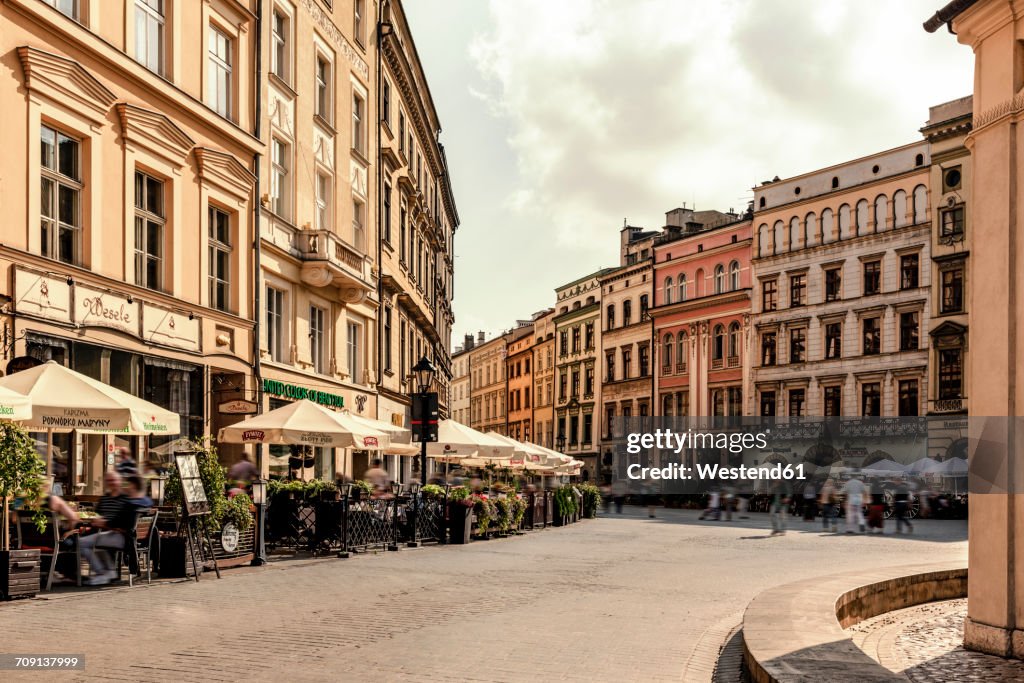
x: 192, y: 490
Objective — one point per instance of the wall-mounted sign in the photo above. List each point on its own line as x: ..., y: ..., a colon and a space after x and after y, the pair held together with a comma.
x: 42, y: 296
x: 229, y: 537
x: 162, y: 326
x: 294, y: 391
x: 237, y: 407
x: 106, y: 309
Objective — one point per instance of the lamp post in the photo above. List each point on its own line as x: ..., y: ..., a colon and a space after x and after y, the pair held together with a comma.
x: 414, y: 491
x: 396, y: 490
x: 346, y: 490
x: 259, y: 499
x: 424, y: 411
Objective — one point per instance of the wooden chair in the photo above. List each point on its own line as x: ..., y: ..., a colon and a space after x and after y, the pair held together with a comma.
x: 138, y: 544
x: 46, y: 542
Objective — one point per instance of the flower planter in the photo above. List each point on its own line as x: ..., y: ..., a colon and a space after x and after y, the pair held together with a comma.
x: 19, y: 574
x: 460, y: 523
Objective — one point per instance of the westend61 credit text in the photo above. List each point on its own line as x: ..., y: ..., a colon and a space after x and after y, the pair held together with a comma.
x: 715, y: 472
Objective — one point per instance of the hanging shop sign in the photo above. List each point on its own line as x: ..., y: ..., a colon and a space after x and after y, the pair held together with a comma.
x: 229, y: 538
x: 294, y: 391
x: 237, y: 407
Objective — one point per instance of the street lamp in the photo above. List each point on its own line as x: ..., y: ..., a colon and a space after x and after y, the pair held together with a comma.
x: 346, y: 490
x: 259, y: 499
x: 424, y: 410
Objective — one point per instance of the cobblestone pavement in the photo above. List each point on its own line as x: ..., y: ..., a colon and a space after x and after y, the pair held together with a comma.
x: 619, y: 598
x: 925, y: 643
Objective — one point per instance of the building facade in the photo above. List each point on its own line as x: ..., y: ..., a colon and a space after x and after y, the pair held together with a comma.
x: 578, y: 343
x: 490, y: 384
x: 626, y: 372
x: 462, y: 387
x: 544, y: 378
x: 519, y: 370
x: 130, y: 156
x: 842, y: 280
x: 702, y: 325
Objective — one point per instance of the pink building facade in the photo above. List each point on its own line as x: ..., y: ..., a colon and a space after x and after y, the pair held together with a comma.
x: 701, y: 317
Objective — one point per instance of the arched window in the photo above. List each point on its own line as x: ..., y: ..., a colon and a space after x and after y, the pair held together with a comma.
x: 734, y: 276
x: 835, y: 182
x: 899, y: 209
x: 920, y: 204
x: 811, y: 228
x: 699, y: 286
x: 682, y: 352
x: 845, y: 224
x: 734, y: 340
x: 668, y: 290
x: 881, y: 212
x: 763, y: 240
x: 611, y: 316
x: 761, y: 203
x: 719, y: 278
x: 666, y: 354
x: 828, y: 226
x: 666, y: 405
x: 796, y: 239
x: 682, y: 286
x: 862, y: 217
x: 919, y: 160
x: 718, y: 343
x: 777, y: 231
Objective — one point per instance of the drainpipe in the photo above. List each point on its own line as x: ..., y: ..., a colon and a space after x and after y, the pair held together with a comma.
x: 257, y: 252
x: 380, y: 191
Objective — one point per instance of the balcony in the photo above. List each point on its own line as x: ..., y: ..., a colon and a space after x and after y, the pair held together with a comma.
x: 947, y: 406
x: 328, y: 261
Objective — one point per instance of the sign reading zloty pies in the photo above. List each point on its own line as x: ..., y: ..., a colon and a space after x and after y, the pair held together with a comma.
x: 370, y: 441
x: 253, y: 435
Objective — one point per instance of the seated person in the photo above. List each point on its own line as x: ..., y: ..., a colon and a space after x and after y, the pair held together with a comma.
x: 118, y: 509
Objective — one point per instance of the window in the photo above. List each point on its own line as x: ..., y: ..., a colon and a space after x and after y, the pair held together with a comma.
x: 575, y: 383
x: 386, y: 228
x: 627, y: 363
x: 562, y: 385
x: 768, y: 348
x: 355, y: 352
x: 734, y: 342
x: 149, y: 34
x: 734, y: 276
x: 953, y: 222
x: 609, y: 359
x: 872, y: 336
x: 323, y: 201
x: 951, y: 373
x: 797, y: 289
x: 219, y: 74
x: 401, y: 132
x: 644, y: 305
x: 358, y: 12
x: 735, y: 395
x: 588, y: 428
x: 149, y: 231
x: 317, y: 339
x: 797, y: 345
x: 402, y: 219
x: 627, y: 312
x: 279, y: 181
x: 385, y: 103
x: 767, y: 404
x: 833, y: 284
x: 401, y: 353
x: 590, y: 335
x: 645, y: 361
x: 358, y: 127
x: 275, y: 324
x: 279, y: 45
x: 909, y: 403
x: 952, y: 290
x: 796, y: 402
x: 833, y: 340
x: 358, y: 225
x: 909, y: 269
x: 682, y: 287
x: 872, y: 277
x: 609, y: 418
x: 220, y: 258
x: 563, y: 342
x: 718, y: 343
x: 717, y: 403
x: 576, y: 339
x: 682, y: 351
x: 833, y: 401
x: 322, y: 103
x: 668, y: 290
x: 68, y: 8
x: 61, y: 197
x: 908, y: 331
x: 610, y: 310
x: 769, y: 295
x: 871, y: 399
x: 719, y: 279
x: 588, y: 386
x: 666, y: 356
x: 387, y: 340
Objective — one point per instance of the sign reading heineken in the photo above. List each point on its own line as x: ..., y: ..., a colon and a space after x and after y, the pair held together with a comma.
x: 294, y: 391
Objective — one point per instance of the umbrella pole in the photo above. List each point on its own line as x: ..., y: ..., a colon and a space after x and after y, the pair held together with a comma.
x: 49, y: 451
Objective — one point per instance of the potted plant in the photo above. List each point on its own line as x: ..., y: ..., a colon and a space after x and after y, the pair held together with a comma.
x: 361, y: 490
x: 591, y: 499
x: 565, y: 505
x: 22, y: 474
x: 460, y: 515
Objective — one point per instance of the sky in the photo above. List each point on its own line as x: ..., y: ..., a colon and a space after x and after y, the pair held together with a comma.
x: 563, y: 119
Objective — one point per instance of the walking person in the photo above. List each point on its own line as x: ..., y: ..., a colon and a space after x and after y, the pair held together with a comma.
x: 712, y: 509
x: 876, y: 508
x: 781, y: 495
x: 901, y: 497
x: 810, y: 496
x: 827, y: 500
x: 853, y: 492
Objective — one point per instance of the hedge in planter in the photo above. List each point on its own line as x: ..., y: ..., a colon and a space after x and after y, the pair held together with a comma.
x: 237, y: 510
x: 565, y: 504
x: 22, y: 473
x: 591, y: 499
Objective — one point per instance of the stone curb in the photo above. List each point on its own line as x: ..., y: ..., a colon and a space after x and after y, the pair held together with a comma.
x: 794, y: 633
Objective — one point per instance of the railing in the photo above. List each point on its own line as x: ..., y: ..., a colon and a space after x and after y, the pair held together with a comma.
x: 327, y: 247
x: 716, y: 364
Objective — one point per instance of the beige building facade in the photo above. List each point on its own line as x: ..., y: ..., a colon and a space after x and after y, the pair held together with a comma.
x: 544, y: 378
x: 128, y: 199
x: 489, y: 384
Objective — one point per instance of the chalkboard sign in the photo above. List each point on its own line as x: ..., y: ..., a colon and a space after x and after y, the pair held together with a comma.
x: 192, y: 490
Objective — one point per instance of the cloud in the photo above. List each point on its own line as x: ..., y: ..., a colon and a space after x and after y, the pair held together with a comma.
x: 626, y: 109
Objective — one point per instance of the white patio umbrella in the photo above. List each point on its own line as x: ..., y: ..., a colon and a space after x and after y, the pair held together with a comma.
x: 887, y: 465
x: 401, y: 438
x: 456, y: 441
x: 14, y: 406
x: 954, y: 467
x: 64, y: 400
x: 305, y: 423
x: 180, y: 444
x: 923, y: 466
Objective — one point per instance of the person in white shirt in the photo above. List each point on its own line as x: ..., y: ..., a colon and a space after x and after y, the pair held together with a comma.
x: 854, y: 493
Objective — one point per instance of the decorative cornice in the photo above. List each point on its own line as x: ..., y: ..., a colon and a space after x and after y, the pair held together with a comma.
x: 225, y: 171
x: 323, y: 20
x: 61, y: 79
x: 154, y: 131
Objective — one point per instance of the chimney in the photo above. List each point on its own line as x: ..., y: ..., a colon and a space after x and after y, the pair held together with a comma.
x: 467, y: 342
x: 480, y: 337
x: 678, y: 218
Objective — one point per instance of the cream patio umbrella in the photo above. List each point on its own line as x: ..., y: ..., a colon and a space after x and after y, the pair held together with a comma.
x: 401, y: 438
x: 14, y: 406
x: 64, y: 400
x: 456, y: 442
x: 305, y: 423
